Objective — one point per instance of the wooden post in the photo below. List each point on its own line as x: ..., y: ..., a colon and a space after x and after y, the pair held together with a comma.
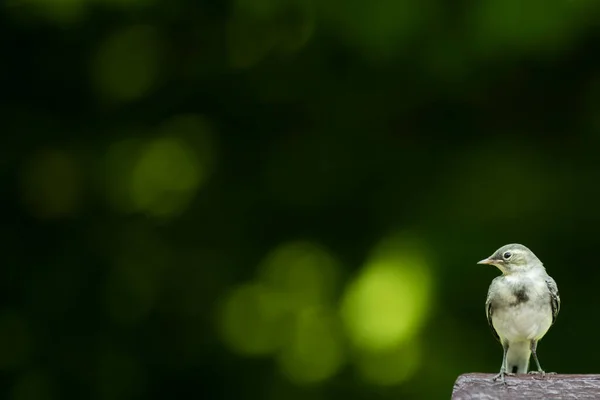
x: 525, y: 386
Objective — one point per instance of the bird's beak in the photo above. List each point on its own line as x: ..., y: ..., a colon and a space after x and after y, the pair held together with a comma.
x: 488, y: 261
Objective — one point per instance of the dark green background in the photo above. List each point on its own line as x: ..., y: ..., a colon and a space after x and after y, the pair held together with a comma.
x: 154, y: 155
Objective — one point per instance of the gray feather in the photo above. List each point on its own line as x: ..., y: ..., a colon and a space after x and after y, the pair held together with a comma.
x: 489, y: 309
x: 554, y: 297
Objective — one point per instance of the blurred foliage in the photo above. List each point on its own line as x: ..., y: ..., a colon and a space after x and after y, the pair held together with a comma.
x: 268, y: 199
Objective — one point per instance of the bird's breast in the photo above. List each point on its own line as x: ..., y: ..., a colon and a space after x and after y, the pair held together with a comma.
x: 522, y: 322
x: 522, y: 310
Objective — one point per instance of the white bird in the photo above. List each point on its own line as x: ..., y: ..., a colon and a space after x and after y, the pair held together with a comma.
x: 521, y: 306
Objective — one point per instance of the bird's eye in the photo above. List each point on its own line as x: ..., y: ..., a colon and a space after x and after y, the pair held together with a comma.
x: 507, y: 255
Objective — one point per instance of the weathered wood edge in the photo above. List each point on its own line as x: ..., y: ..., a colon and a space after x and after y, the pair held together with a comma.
x: 551, y: 386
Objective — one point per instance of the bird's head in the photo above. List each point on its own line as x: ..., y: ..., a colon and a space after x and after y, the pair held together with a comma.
x: 513, y: 258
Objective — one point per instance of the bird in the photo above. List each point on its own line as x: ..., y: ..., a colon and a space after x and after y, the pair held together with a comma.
x: 521, y: 306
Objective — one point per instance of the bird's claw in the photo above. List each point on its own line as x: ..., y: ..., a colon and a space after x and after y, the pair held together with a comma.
x: 542, y: 373
x: 502, y: 375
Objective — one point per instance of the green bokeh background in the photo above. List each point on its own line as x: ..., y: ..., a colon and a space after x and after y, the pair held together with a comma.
x: 286, y: 199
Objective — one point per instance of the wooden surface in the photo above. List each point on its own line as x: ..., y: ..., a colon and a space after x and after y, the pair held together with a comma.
x: 481, y: 386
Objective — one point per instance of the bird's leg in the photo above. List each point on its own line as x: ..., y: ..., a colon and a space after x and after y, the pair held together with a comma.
x: 537, y: 362
x: 502, y: 374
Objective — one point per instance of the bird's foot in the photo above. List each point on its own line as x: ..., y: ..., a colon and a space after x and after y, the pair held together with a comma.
x: 541, y: 373
x: 502, y: 375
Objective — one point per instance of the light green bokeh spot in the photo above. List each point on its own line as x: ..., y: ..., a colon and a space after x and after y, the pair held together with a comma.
x: 389, y: 300
x: 287, y: 311
x: 251, y: 320
x: 126, y: 65
x: 165, y: 177
x: 162, y: 175
x: 304, y: 273
x: 315, y: 351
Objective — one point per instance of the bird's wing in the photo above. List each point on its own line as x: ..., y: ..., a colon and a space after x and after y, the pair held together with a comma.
x: 554, y: 297
x: 489, y: 309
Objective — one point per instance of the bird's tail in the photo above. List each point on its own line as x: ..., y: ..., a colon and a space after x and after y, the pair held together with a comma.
x: 517, y: 358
